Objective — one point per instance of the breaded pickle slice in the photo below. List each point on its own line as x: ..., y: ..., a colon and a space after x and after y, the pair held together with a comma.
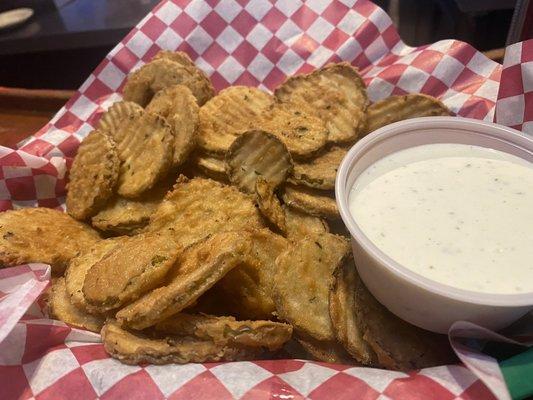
x: 93, y: 175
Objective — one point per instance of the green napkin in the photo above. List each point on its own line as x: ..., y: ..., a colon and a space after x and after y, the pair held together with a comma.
x: 518, y: 374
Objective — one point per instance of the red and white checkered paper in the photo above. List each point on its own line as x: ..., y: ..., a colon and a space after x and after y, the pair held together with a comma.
x: 258, y: 43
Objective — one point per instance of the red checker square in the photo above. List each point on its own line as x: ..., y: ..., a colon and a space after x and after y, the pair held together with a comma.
x: 213, y: 24
x: 206, y: 384
x: 14, y: 383
x: 517, y: 127
x: 388, y: 60
x: 130, y: 35
x: 273, y: 19
x: 215, y: 55
x: 139, y: 385
x: 274, y: 49
x: 345, y: 387
x: 247, y: 79
x: 362, y: 61
x: 278, y: 367
x: 243, y: 23
x: 266, y: 389
x: 183, y: 25
x: 96, y: 90
x: 182, y: 3
x: 151, y: 52
x: 21, y: 188
x: 467, y: 82
x: 125, y: 60
x: 393, y: 73
x: 366, y: 8
x: 304, y: 46
x: 527, y: 51
x: 212, y: 3
x: 274, y: 78
x: 397, y: 91
x: 511, y: 82
x: 390, y: 36
x: 367, y: 33
x: 528, y: 107
x: 245, y: 53
x: 14, y: 159
x: 69, y: 146
x: 88, y: 353
x: 218, y: 81
x: 4, y: 206
x: 335, y: 39
x: 66, y: 119
x: 476, y: 391
x: 417, y: 387
x: 427, y: 60
x: 461, y: 51
x: 305, y: 69
x: 434, y: 87
x: 304, y: 17
x: 496, y: 74
x: 335, y: 12
x: 36, y: 147
x: 186, y: 47
x: 41, y: 339
x: 47, y: 169
x: 50, y: 203
x: 153, y: 27
x: 74, y: 382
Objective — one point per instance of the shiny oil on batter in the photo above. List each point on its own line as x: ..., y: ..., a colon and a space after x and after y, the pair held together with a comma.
x: 458, y: 214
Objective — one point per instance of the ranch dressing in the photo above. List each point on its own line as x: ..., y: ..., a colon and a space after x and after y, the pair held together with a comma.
x: 458, y: 214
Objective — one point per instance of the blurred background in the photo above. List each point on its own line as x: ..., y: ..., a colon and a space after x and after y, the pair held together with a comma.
x: 58, y: 46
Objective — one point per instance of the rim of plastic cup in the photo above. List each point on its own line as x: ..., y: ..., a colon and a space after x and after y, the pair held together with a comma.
x: 509, y: 135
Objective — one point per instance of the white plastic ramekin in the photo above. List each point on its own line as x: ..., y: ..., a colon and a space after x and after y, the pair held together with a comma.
x: 423, y: 302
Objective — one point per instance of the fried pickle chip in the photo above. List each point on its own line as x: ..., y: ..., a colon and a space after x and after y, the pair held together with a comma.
x: 179, y: 108
x: 62, y: 308
x: 301, y: 284
x: 42, y: 235
x: 141, y: 169
x: 399, y: 108
x: 117, y: 116
x: 398, y: 345
x: 320, y: 172
x: 247, y: 289
x: 300, y: 224
x: 213, y: 167
x: 138, y: 265
x: 265, y: 334
x: 336, y: 93
x: 78, y: 267
x: 324, y: 350
x: 199, y: 207
x: 197, y: 269
x: 93, y: 175
x: 269, y: 204
x: 345, y: 315
x: 254, y: 154
x: 124, y: 216
x: 311, y: 201
x: 230, y: 113
x: 136, y: 348
x: 204, y: 87
x: 161, y: 73
x: 303, y: 133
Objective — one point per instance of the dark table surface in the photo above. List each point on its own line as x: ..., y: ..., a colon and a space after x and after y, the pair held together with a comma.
x: 77, y: 24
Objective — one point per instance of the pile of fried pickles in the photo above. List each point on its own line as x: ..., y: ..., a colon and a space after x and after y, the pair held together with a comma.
x: 203, y: 227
